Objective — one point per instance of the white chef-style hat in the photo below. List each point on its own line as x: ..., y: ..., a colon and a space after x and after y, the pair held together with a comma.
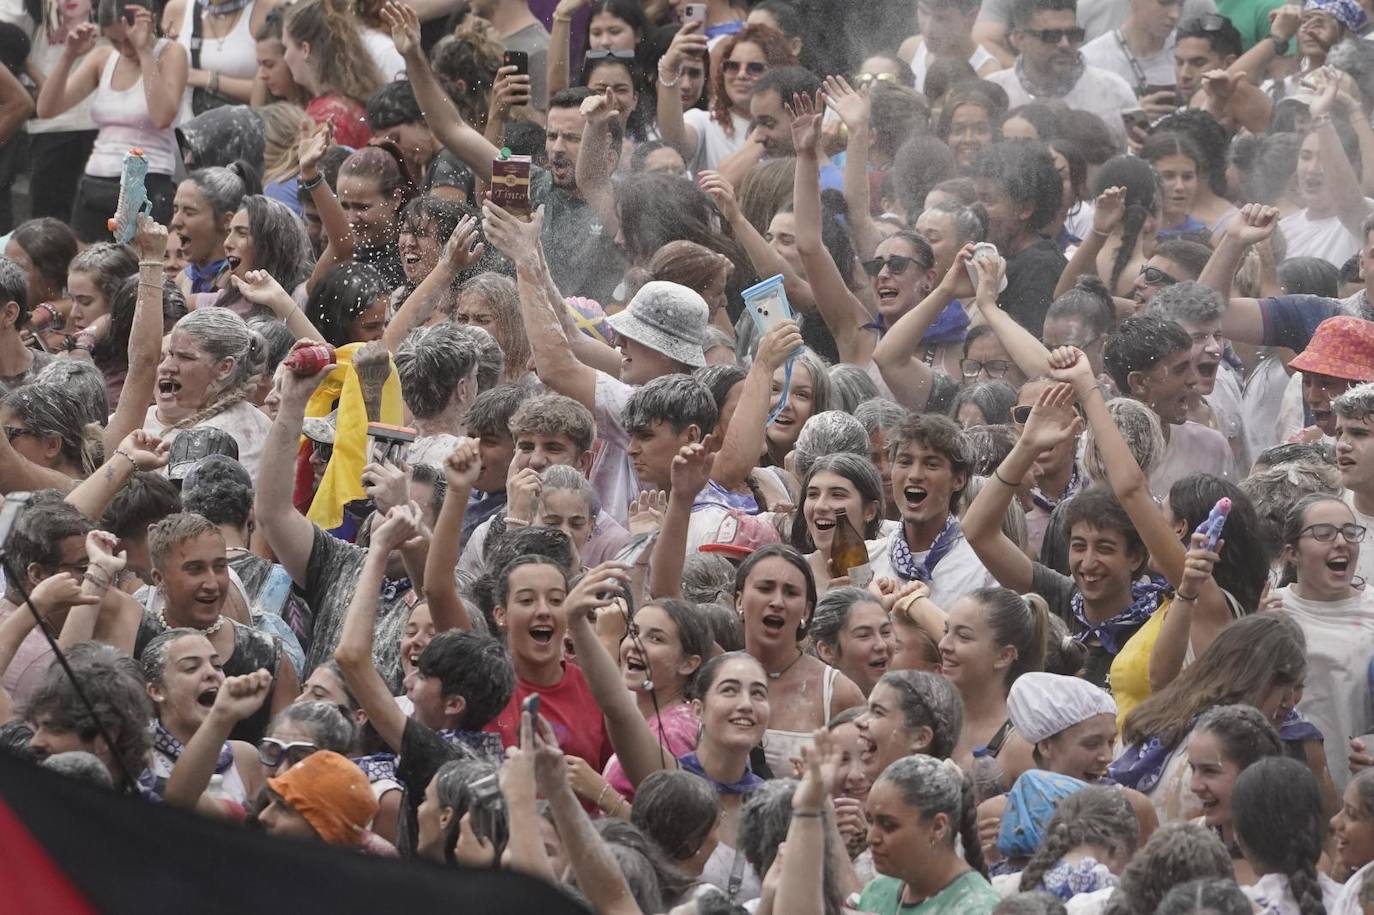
x: 1041, y: 705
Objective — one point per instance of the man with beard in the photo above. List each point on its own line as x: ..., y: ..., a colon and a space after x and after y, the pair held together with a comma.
x: 770, y: 128
x: 1049, y: 65
x: 581, y: 251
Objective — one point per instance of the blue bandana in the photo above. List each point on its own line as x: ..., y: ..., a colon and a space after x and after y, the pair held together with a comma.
x: 1046, y: 504
x: 150, y: 784
x: 746, y: 785
x: 1347, y: 12
x: 904, y: 562
x: 1030, y: 806
x: 1113, y: 634
x: 203, y: 278
x: 378, y: 767
x: 477, y: 744
x: 1087, y: 875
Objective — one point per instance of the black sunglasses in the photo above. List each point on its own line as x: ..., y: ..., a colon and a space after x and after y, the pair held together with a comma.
x: 1153, y: 276
x: 1075, y: 35
x: 895, y: 263
x: 753, y: 68
x: 996, y: 368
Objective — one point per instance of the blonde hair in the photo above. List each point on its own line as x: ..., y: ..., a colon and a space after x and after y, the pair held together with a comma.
x: 281, y: 123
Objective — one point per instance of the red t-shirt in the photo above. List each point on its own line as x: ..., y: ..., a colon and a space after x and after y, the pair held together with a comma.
x: 569, y: 708
x: 349, y: 119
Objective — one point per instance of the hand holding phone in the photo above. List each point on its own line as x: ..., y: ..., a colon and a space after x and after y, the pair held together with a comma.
x: 694, y: 12
x: 520, y: 60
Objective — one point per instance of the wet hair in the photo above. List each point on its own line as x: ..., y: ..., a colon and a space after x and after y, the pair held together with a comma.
x: 687, y: 263
x: 1163, y: 143
x: 970, y: 220
x: 1310, y: 276
x: 1140, y: 343
x: 1176, y: 852
x: 1064, y: 654
x: 53, y: 410
x: 474, y: 666
x: 562, y: 478
x: 14, y: 287
x: 720, y: 380
x: 330, y: 727
x: 931, y: 786
x: 787, y: 82
x: 764, y: 819
x: 280, y: 245
x: 276, y: 335
x: 174, y: 530
x: 859, y: 471
x: 431, y: 362
x: 1209, y: 138
x: 221, y: 334
x: 441, y: 214
x: 878, y: 414
x: 993, y: 398
x: 1141, y: 182
x: 1276, y: 807
x: 108, y: 266
x: 1034, y: 903
x: 466, y: 63
x: 1090, y: 302
x: 1306, y: 452
x: 1209, y: 896
x: 219, y: 495
x: 766, y: 191
x: 1095, y: 815
x: 81, y: 766
x: 707, y: 578
x: 1275, y: 490
x: 828, y: 433
x: 680, y: 401
x: 145, y: 498
x: 972, y: 94
x: 341, y: 296
x: 938, y: 434
x: 928, y: 700
x: 657, y: 209
x: 775, y: 50
x: 491, y: 412
x: 1246, y: 736
x: 1243, y: 569
x: 677, y: 810
x: 1018, y: 620
x: 154, y: 656
x: 897, y: 113
x: 85, y: 384
x: 693, y: 633
x: 921, y: 163
x: 791, y: 557
x: 112, y: 351
x: 392, y: 105
x: 832, y: 614
x: 225, y: 186
x: 1026, y: 172
x: 1246, y: 659
x: 112, y: 683
x: 1098, y: 507
x: 1141, y: 429
x: 497, y: 292
x: 51, y: 245
x: 1223, y: 37
x: 554, y: 414
x: 383, y: 162
x: 727, y: 630
x: 1046, y: 117
x: 996, y: 442
x: 710, y: 671
x: 337, y: 48
x: 453, y: 789
x: 646, y: 865
x: 1186, y: 301
x: 563, y: 564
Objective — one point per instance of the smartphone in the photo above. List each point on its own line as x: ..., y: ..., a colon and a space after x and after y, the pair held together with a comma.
x: 520, y: 60
x: 694, y: 12
x: 635, y: 548
x: 531, y: 705
x: 1135, y: 117
x: 983, y: 249
x: 767, y: 304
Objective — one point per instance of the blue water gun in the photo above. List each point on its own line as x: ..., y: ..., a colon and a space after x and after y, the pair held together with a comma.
x: 768, y: 305
x: 1216, y: 520
x: 133, y: 197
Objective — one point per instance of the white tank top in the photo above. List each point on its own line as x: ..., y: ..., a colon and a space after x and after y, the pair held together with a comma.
x: 781, y: 747
x: 123, y: 119
x: 235, y: 55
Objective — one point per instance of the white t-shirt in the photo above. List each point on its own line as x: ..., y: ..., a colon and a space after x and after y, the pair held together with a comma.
x: 1225, y: 401
x: 920, y: 62
x: 383, y: 52
x: 1098, y: 92
x: 713, y: 143
x: 1365, y: 567
x: 1325, y: 238
x: 1192, y: 448
x: 1261, y: 401
x: 613, y: 473
x: 1108, y: 52
x: 960, y: 572
x: 246, y: 423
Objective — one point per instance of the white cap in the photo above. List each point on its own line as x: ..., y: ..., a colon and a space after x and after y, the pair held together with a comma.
x: 1041, y: 705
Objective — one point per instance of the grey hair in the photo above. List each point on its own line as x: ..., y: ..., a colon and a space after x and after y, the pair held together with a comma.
x: 763, y: 823
x: 154, y: 656
x: 850, y: 386
x: 224, y: 335
x: 491, y: 360
x: 333, y: 730
x: 1276, y: 490
x: 993, y: 398
x: 431, y: 362
x: 715, y: 337
x: 108, y: 264
x: 678, y: 400
x: 276, y: 335
x: 14, y: 286
x: 176, y: 529
x: 1176, y: 852
x: 931, y: 701
x: 562, y: 478
x: 51, y: 409
x: 970, y: 225
x: 223, y: 188
x: 1187, y: 301
x: 1356, y: 403
x: 708, y: 578
x: 878, y: 414
x: 828, y: 432
x: 832, y: 613
x: 932, y: 786
x: 84, y: 381
x: 499, y: 293
x: 80, y: 765
x: 1139, y: 426
x: 1209, y: 895
x: 1013, y: 522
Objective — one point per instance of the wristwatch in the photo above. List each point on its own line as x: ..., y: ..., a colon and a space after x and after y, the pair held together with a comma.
x: 1280, y: 44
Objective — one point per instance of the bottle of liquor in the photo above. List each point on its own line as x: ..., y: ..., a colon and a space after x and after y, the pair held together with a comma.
x: 849, y: 553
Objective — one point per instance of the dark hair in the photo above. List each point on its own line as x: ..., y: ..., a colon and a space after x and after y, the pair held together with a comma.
x: 528, y: 559
x: 431, y: 362
x: 931, y: 787
x: 680, y: 401
x: 1090, y: 302
x: 1192, y: 256
x: 1163, y: 143
x: 491, y: 411
x: 1022, y: 11
x: 832, y: 614
x: 145, y: 498
x: 1209, y: 895
x: 1026, y: 172
x: 1018, y: 620
x: 720, y: 380
x: 112, y: 352
x: 1095, y: 815
x: 693, y: 632
x: 465, y: 63
x: 993, y: 398
x: 1090, y: 135
x: 1223, y: 37
x: 943, y: 76
x: 1310, y: 276
x: 1046, y: 117
x: 341, y: 296
x: 676, y: 809
x: 50, y: 244
x: 1293, y: 525
x: 392, y: 105
x: 1244, y: 566
x: 928, y: 700
x: 40, y: 530
x: 622, y: 836
x: 706, y: 676
x: 764, y: 818
x: 504, y: 546
x: 656, y: 209
x: 921, y: 163
x: 382, y: 161
x: 1276, y: 808
x: 1064, y: 654
x: 474, y: 666
x: 1138, y: 344
x: 939, y: 434
x: 859, y: 471
x: 218, y: 496
x: 1098, y: 507
x: 1142, y: 190
x: 1209, y: 138
x: 1175, y: 853
x: 1246, y: 736
x: 793, y: 558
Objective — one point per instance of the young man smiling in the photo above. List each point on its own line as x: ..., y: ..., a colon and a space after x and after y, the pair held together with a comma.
x: 1151, y: 360
x: 1355, y: 460
x: 930, y: 468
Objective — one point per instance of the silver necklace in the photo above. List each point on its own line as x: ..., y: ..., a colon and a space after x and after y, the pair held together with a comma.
x: 790, y: 664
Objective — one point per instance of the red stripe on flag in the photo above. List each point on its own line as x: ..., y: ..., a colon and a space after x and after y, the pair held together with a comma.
x: 32, y: 881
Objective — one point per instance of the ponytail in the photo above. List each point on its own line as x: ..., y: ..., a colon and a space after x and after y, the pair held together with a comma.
x: 1018, y: 620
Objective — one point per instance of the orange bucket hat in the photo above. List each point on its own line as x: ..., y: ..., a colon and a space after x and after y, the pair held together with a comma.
x: 333, y: 795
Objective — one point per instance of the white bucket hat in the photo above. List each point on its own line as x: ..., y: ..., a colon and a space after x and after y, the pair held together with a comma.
x: 667, y: 318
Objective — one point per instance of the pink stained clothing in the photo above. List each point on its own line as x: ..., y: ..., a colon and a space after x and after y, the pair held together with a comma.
x: 677, y: 736
x: 30, y: 663
x: 569, y: 707
x: 348, y: 117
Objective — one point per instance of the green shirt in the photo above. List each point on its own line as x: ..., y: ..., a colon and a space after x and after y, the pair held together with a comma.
x: 1250, y: 17
x: 969, y: 894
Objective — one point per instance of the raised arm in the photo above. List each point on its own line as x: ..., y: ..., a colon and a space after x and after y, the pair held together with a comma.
x: 314, y: 141
x: 290, y: 534
x: 554, y: 361
x: 238, y: 698
x: 50, y: 596
x: 560, y: 45
x: 69, y: 82
x: 145, y: 336
x: 164, y: 73
x: 138, y: 451
x: 446, y: 606
x: 260, y: 288
x: 766, y: 261
x: 16, y: 106
x: 688, y: 474
x: 441, y: 115
x: 1108, y: 210
x: 1242, y: 321
x: 1051, y: 423
x: 508, y: 91
x: 595, y: 162
x: 634, y: 743
x: 526, y: 847
x: 744, y: 441
x: 463, y: 248
x: 1283, y: 25
x: 688, y: 42
x: 1025, y: 348
x: 111, y: 616
x: 854, y: 110
x: 905, y: 372
x: 838, y: 306
x: 1196, y: 614
x: 1339, y: 176
x: 801, y: 890
x: 354, y: 651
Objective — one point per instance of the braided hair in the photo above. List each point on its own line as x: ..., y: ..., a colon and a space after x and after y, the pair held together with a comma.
x: 221, y: 334
x: 1277, y: 811
x: 932, y: 786
x: 1095, y: 815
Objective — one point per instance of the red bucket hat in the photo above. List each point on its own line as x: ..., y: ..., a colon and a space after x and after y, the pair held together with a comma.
x: 1342, y: 347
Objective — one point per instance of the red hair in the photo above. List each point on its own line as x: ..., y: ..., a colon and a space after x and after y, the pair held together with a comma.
x: 775, y: 50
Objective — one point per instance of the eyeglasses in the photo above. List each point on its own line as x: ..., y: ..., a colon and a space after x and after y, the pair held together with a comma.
x: 609, y: 54
x: 895, y: 263
x: 1153, y: 276
x: 1020, y: 414
x: 1075, y: 35
x: 1326, y: 533
x: 272, y: 752
x: 753, y: 68
x: 14, y: 432
x: 996, y: 368
x: 323, y: 451
x: 864, y: 80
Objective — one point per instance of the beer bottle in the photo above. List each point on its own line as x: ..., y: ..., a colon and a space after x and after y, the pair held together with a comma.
x: 849, y: 553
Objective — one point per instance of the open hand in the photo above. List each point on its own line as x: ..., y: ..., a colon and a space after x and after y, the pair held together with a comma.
x: 849, y: 103
x: 691, y: 469
x: 646, y: 511
x: 404, y: 25
x: 598, y: 588
x: 1108, y: 210
x: 806, y: 122
x: 722, y: 193
x: 1053, y: 420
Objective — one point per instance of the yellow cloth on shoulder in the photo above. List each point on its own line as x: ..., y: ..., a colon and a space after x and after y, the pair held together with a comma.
x: 342, y: 481
x: 1130, y: 670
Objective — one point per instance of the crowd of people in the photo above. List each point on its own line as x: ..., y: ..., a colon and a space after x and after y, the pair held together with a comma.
x: 797, y: 456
